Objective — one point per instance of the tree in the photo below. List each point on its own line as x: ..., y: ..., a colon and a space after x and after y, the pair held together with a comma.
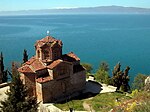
x: 25, y: 56
x: 139, y: 82
x: 104, y: 66
x: 1, y: 62
x: 125, y: 79
x: 102, y: 74
x: 5, y: 76
x: 120, y: 79
x: 88, y: 67
x: 3, y: 72
x: 18, y: 100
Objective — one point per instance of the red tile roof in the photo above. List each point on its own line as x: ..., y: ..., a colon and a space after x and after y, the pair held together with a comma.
x: 54, y: 64
x: 38, y: 65
x: 30, y: 61
x: 47, y: 39
x: 71, y: 54
x: 33, y: 65
x: 25, y: 69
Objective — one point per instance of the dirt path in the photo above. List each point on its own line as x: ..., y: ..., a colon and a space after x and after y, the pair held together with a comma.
x: 88, y: 107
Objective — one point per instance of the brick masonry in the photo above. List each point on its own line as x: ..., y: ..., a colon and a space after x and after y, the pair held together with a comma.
x: 50, y: 75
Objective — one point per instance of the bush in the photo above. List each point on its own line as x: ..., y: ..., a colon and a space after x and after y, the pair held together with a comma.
x: 139, y: 82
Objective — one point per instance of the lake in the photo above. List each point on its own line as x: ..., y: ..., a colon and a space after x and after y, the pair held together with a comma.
x: 94, y: 38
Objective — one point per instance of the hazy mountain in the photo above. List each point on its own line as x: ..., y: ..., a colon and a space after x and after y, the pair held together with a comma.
x: 82, y: 10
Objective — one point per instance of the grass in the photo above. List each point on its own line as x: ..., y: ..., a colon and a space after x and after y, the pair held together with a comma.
x: 138, y: 102
x: 101, y: 102
x: 75, y: 104
x: 107, y: 101
x: 144, y: 105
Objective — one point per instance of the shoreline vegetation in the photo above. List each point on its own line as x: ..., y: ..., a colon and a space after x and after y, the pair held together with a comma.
x: 126, y: 98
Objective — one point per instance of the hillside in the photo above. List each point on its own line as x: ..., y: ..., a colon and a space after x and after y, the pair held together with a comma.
x: 82, y: 10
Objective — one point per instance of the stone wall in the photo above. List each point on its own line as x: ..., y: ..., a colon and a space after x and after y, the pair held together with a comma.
x: 78, y: 80
x: 30, y: 83
x: 39, y: 93
x: 60, y: 89
x: 147, y: 83
x: 56, y: 89
x: 64, y: 69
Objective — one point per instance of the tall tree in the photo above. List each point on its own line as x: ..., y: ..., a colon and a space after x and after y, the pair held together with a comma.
x: 102, y: 74
x: 120, y: 78
x: 15, y: 66
x: 25, y: 56
x: 5, y: 76
x: 104, y: 66
x: 1, y: 62
x: 125, y: 80
x: 18, y: 100
x: 3, y: 72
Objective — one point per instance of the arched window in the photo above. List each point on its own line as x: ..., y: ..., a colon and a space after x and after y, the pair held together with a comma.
x: 46, y: 54
x: 56, y: 53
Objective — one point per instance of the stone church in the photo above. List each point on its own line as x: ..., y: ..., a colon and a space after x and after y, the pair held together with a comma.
x: 50, y: 75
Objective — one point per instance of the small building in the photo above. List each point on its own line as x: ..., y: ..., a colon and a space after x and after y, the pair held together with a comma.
x: 50, y: 75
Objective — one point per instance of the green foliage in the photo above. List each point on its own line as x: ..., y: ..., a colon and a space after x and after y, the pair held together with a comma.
x: 104, y: 66
x: 130, y: 107
x: 134, y: 93
x: 18, y: 99
x: 106, y: 101
x: 144, y: 107
x: 5, y: 76
x: 1, y: 62
x: 139, y: 82
x: 77, y: 105
x: 88, y: 67
x: 102, y: 74
x: 101, y: 102
x: 25, y: 56
x: 15, y: 66
x: 144, y: 102
x: 3, y: 73
x: 120, y: 78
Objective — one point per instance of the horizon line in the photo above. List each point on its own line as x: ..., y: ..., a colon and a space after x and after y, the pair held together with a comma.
x: 62, y: 8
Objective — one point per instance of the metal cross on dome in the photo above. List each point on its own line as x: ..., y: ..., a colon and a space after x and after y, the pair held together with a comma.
x: 48, y: 32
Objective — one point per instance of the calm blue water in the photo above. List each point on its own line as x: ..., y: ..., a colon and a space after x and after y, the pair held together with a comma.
x: 94, y: 38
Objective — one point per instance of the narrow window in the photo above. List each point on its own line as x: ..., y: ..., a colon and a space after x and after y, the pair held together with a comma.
x: 38, y: 53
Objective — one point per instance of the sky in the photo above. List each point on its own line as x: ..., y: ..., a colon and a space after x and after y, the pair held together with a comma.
x: 15, y: 5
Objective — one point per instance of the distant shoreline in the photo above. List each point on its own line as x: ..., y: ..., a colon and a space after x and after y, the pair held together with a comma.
x: 81, y: 10
x: 62, y: 14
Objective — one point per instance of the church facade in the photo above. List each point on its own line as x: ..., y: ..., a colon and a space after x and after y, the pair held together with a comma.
x: 50, y: 75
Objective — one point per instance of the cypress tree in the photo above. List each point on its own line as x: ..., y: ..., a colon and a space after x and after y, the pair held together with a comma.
x: 3, y: 72
x: 120, y: 79
x: 25, y: 56
x: 5, y: 76
x: 1, y: 62
x: 18, y: 100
